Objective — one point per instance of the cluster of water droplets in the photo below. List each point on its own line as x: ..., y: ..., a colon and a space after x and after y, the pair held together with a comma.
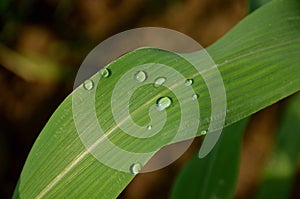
x: 89, y: 84
x: 161, y: 104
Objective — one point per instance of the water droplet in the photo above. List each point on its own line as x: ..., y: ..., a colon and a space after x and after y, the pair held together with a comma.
x: 204, y: 132
x: 149, y: 127
x: 195, y: 97
x: 135, y: 168
x: 88, y: 84
x: 140, y: 76
x: 159, y: 81
x: 163, y: 103
x: 188, y: 82
x: 104, y: 72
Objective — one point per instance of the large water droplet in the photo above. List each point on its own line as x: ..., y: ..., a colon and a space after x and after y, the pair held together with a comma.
x: 135, y: 168
x: 88, y: 84
x: 195, y: 97
x: 163, y: 103
x: 188, y: 82
x: 104, y: 72
x: 159, y: 81
x: 140, y: 76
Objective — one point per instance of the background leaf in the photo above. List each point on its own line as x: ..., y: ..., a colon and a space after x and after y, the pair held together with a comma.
x: 254, y: 4
x: 280, y: 171
x: 215, y: 175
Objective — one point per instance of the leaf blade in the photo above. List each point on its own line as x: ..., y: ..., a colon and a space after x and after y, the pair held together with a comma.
x: 213, y: 176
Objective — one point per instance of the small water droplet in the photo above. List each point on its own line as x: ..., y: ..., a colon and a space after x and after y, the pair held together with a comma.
x: 163, y: 103
x: 159, y: 81
x: 88, y: 84
x: 140, y: 76
x: 149, y: 127
x: 104, y: 72
x: 195, y: 97
x: 204, y: 132
x: 188, y: 82
x: 135, y: 168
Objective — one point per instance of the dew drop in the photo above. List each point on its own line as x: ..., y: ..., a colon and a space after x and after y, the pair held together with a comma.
x: 204, y: 132
x: 163, y: 103
x: 188, y: 82
x: 140, y: 76
x: 88, y: 84
x: 104, y: 72
x: 149, y: 127
x: 159, y: 81
x: 135, y: 168
x: 195, y: 97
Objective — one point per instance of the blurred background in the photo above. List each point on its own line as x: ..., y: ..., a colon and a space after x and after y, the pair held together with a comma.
x: 43, y: 43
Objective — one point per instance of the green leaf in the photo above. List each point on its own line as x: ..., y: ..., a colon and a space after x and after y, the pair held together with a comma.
x: 254, y: 4
x: 258, y: 61
x: 215, y: 175
x: 280, y: 171
x: 259, y: 58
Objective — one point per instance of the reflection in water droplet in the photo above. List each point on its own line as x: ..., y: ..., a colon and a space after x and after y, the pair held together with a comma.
x: 159, y: 81
x: 204, y: 132
x: 163, y: 103
x: 88, y: 84
x: 195, y: 97
x: 140, y: 76
x: 135, y: 168
x: 188, y: 82
x: 104, y: 72
x: 149, y: 127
